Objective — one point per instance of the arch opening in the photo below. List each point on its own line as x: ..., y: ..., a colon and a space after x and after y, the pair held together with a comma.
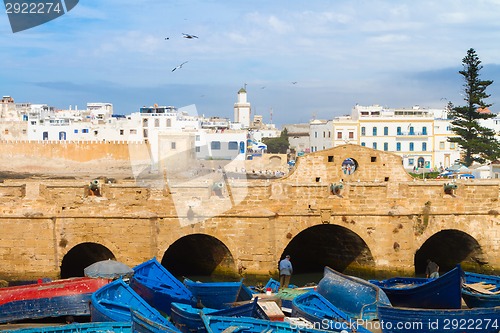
x: 81, y: 256
x: 329, y: 245
x: 449, y: 248
x: 199, y: 254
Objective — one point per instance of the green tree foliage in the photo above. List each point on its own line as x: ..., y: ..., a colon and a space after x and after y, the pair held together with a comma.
x: 277, y: 145
x: 477, y: 142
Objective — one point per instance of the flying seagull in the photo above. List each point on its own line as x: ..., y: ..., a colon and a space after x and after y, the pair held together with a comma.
x: 189, y: 36
x: 294, y: 82
x: 180, y: 66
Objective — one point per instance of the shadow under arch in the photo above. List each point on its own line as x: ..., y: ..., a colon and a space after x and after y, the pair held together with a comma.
x: 449, y: 248
x: 199, y: 254
x: 329, y: 245
x: 81, y: 256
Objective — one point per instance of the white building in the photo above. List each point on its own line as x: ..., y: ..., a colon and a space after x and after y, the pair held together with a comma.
x: 242, y: 109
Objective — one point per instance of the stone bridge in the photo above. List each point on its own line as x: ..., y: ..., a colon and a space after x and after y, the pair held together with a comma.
x: 350, y: 207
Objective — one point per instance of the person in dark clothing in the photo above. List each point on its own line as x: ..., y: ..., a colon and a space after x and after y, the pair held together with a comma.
x: 286, y: 271
x: 432, y: 269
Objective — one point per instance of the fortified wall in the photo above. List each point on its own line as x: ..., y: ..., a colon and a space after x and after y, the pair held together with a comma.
x: 347, y: 207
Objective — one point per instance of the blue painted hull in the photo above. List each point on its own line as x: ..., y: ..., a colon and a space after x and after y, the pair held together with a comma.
x: 113, y: 327
x: 75, y: 305
x: 407, y: 320
x: 115, y: 302
x: 157, y: 286
x: 354, y: 296
x: 475, y: 299
x: 318, y: 310
x: 216, y: 324
x: 441, y: 293
x: 141, y: 324
x: 188, y: 319
x: 65, y: 297
x: 215, y: 295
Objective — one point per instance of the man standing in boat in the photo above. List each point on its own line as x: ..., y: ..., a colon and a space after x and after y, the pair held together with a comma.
x: 432, y: 270
x: 286, y: 271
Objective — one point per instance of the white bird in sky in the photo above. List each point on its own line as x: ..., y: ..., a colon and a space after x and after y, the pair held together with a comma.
x: 189, y: 36
x: 179, y: 66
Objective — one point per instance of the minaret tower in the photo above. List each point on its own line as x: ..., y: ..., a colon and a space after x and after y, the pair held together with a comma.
x: 242, y: 109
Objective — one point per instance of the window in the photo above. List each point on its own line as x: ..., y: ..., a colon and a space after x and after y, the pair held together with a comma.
x: 441, y: 145
x: 412, y: 146
x: 424, y: 146
x: 452, y: 145
x: 169, y: 122
x: 157, y: 122
x: 363, y: 131
x: 197, y: 149
x: 411, y: 161
x: 386, y: 146
x: 133, y: 131
x: 75, y: 131
x: 232, y: 145
x: 329, y: 134
x: 121, y: 132
x: 424, y: 130
x: 324, y: 134
x: 197, y: 138
x: 215, y: 145
x: 398, y: 130
x: 339, y: 135
x: 412, y: 130
x: 351, y: 135
x: 315, y: 134
x: 374, y: 131
x: 85, y: 130
x: 145, y: 122
x: 386, y: 130
x: 363, y: 144
x: 374, y: 145
x: 45, y: 135
x: 173, y: 145
x: 398, y: 146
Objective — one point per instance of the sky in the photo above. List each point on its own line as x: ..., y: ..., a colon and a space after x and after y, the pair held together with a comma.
x: 298, y: 60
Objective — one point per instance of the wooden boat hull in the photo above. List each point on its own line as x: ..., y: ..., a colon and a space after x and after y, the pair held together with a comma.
x: 157, y: 286
x: 476, y: 299
x: 354, y: 296
x: 318, y: 310
x: 188, y: 319
x: 141, y: 324
x: 441, y: 293
x: 406, y: 320
x: 117, y: 300
x: 113, y: 327
x: 65, y: 297
x: 218, y: 324
x: 215, y: 295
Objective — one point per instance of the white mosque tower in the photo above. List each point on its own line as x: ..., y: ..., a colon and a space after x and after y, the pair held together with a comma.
x: 242, y: 109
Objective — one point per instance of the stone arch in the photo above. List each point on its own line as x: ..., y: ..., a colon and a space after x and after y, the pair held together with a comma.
x: 448, y: 248
x: 199, y: 254
x: 329, y: 245
x: 81, y: 256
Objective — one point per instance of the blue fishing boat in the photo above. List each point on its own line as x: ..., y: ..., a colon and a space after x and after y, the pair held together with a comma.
x: 441, y: 293
x: 188, y: 319
x: 481, y: 290
x: 406, y: 320
x: 274, y: 285
x: 318, y: 310
x: 218, y: 324
x: 157, y: 286
x: 58, y: 298
x: 111, y: 327
x: 356, y: 297
x: 141, y: 324
x: 115, y: 301
x: 215, y: 295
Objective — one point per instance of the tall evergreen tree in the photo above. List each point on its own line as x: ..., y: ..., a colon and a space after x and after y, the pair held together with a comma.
x: 477, y: 142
